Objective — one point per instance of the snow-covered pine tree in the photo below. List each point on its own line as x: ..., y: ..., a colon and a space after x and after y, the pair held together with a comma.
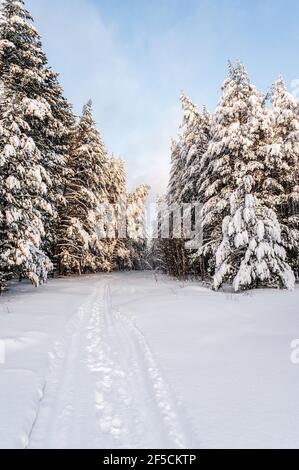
x: 136, y: 226
x: 54, y: 140
x: 186, y: 153
x: 236, y: 129
x: 175, y: 257
x: 251, y: 252
x: 161, y: 245
x: 23, y: 194
x: 281, y: 155
x: 23, y: 69
x: 117, y: 185
x: 111, y: 218
x: 194, y: 139
x: 180, y: 189
x: 86, y: 188
x: 119, y: 253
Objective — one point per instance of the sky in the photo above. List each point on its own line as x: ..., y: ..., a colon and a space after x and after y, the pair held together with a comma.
x: 133, y: 58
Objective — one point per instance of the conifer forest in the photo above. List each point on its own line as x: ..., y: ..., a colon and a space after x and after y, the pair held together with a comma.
x: 149, y: 234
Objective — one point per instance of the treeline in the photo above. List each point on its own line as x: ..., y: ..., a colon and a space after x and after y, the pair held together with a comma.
x: 57, y: 182
x: 241, y: 164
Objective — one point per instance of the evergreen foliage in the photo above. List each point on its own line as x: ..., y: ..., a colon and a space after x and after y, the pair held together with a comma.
x: 241, y: 164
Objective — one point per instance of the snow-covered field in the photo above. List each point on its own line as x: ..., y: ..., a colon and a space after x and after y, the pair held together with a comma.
x: 134, y: 360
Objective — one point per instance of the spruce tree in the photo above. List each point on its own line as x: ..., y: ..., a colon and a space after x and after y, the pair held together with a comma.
x: 194, y: 139
x: 24, y: 70
x: 136, y: 226
x: 186, y: 152
x: 56, y: 134
x: 251, y: 252
x: 281, y: 155
x: 165, y: 249
x: 86, y: 188
x: 23, y: 194
x: 119, y: 252
x: 237, y: 128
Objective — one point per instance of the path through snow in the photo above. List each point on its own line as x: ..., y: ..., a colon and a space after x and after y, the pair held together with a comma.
x: 105, y: 389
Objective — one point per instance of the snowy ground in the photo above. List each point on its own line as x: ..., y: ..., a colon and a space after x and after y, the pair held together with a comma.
x: 139, y: 361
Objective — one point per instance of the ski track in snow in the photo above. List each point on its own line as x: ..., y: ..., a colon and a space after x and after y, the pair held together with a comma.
x: 105, y: 389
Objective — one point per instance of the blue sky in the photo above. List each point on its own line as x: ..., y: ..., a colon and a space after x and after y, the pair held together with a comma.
x: 134, y: 57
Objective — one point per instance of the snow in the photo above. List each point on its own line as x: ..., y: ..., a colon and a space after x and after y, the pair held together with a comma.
x: 12, y: 182
x: 30, y: 320
x: 37, y: 108
x: 138, y: 360
x: 9, y: 151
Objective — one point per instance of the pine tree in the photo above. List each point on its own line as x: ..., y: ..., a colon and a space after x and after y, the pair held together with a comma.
x: 85, y: 190
x: 117, y: 186
x: 162, y: 245
x: 186, y: 153
x: 22, y: 59
x: 237, y: 128
x: 22, y: 198
x: 56, y: 134
x: 194, y: 139
x: 169, y: 252
x: 281, y: 155
x: 136, y: 226
x: 251, y: 252
x: 23, y: 69
x: 119, y: 252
